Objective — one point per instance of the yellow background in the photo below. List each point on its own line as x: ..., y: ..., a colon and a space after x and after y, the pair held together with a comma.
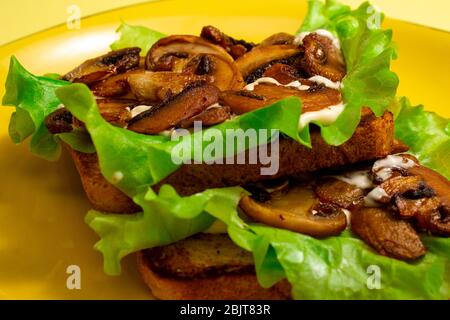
x: 42, y: 204
x: 24, y: 17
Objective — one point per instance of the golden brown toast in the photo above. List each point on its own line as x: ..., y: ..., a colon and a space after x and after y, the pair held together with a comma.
x: 205, y: 266
x: 373, y: 139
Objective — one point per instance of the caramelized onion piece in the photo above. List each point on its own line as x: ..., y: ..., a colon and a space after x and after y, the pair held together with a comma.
x: 299, y: 211
x: 314, y: 99
x: 261, y: 58
x: 191, y: 101
x: 157, y: 86
x: 208, y: 117
x: 105, y: 66
x: 387, y: 235
x: 339, y: 193
x: 182, y: 47
x: 322, y: 58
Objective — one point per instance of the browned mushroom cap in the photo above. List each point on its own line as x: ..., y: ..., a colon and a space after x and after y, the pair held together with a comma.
x: 191, y: 101
x: 436, y: 181
x: 183, y: 47
x: 340, y: 193
x: 264, y: 94
x: 437, y: 220
x: 253, y: 64
x: 387, y: 235
x: 105, y: 66
x: 157, y: 86
x: 413, y: 186
x: 322, y: 58
x: 297, y: 210
x: 235, y: 48
x: 208, y: 117
x: 278, y: 38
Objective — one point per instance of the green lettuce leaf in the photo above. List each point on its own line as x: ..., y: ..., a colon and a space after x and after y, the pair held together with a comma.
x: 136, y: 36
x: 426, y: 133
x: 333, y: 268
x: 368, y: 51
x: 124, y: 234
x: 34, y: 98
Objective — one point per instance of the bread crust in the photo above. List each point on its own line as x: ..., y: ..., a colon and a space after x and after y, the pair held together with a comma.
x: 205, y: 267
x: 102, y: 194
x: 373, y: 139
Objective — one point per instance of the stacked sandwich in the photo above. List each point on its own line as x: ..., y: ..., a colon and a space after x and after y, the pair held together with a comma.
x: 344, y: 198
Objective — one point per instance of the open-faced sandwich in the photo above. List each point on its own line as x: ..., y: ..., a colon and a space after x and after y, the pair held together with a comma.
x: 238, y: 170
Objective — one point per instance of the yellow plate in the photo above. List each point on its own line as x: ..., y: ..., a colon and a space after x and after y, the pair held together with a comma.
x: 42, y: 205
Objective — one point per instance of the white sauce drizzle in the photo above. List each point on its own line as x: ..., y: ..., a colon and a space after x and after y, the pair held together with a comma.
x: 295, y: 84
x: 322, y: 32
x: 360, y: 179
x: 383, y: 168
x: 326, y: 82
x: 139, y: 109
x: 373, y: 196
x: 326, y: 116
x: 348, y: 217
x: 214, y: 106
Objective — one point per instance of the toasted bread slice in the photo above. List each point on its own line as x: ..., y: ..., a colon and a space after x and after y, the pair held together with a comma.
x: 373, y: 139
x: 205, y: 266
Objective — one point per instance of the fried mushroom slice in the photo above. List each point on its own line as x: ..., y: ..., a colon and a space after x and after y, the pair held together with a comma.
x: 265, y: 94
x: 157, y: 86
x: 183, y: 48
x: 340, y: 193
x: 102, y: 67
x: 208, y: 117
x: 253, y: 64
x: 59, y: 121
x: 387, y: 235
x: 191, y: 101
x: 322, y: 58
x: 283, y: 73
x: 235, y: 48
x: 115, y: 111
x: 224, y: 74
x: 114, y: 86
x: 297, y: 210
